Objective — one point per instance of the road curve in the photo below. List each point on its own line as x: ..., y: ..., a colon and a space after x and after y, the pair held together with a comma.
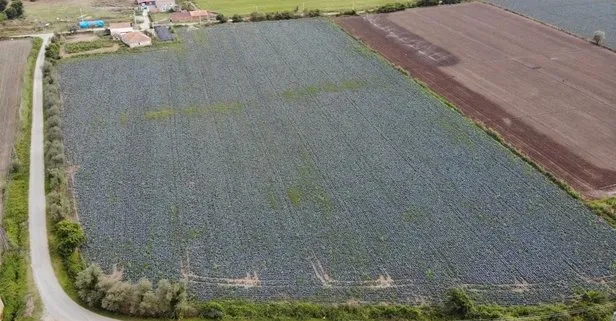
x: 58, y: 306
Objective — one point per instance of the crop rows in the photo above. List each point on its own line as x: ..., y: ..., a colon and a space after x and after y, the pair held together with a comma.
x: 280, y: 159
x: 582, y: 17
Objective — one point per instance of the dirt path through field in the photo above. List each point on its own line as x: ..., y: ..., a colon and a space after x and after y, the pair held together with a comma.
x: 548, y: 93
x: 13, y: 57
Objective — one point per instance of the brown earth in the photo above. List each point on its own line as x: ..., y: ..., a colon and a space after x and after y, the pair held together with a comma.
x: 13, y: 57
x: 551, y: 95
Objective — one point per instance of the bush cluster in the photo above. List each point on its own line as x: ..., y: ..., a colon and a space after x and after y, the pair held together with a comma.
x: 69, y: 234
x: 221, y: 18
x: 110, y: 292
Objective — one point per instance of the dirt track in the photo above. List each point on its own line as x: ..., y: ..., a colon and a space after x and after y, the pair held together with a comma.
x: 551, y: 95
x: 13, y: 56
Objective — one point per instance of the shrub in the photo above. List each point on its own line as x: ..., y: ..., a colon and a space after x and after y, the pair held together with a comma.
x: 57, y: 206
x: 70, y: 237
x: 349, y: 13
x: 598, y: 38
x: 54, y: 133
x: 53, y: 121
x: 221, y: 18
x: 257, y: 16
x: 450, y: 1
x: 313, y: 13
x: 237, y: 18
x: 427, y: 3
x: 458, y: 304
x: 284, y: 15
x: 391, y: 7
x: 3, y: 4
x: 53, y: 51
x: 593, y: 297
x: 211, y: 310
x: 74, y: 265
x: 15, y: 165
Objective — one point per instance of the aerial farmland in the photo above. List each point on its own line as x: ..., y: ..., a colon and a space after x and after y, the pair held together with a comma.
x: 280, y: 160
x: 550, y: 95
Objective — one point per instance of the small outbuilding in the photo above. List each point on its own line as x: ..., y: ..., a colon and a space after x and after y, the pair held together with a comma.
x: 136, y: 39
x: 117, y: 29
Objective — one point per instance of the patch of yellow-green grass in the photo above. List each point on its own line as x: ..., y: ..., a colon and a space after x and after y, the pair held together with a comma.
x: 160, y: 114
x: 245, y: 7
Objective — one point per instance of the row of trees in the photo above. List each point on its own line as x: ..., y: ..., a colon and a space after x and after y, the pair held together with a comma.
x: 111, y: 293
x: 12, y: 10
x: 69, y: 235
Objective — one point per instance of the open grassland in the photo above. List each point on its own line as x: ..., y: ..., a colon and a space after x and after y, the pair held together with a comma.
x: 248, y: 6
x: 582, y: 17
x: 284, y: 160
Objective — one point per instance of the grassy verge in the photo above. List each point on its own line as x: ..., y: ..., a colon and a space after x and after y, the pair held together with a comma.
x: 16, y: 286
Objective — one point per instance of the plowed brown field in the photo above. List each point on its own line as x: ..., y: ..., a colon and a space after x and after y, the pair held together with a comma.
x: 551, y: 95
x: 13, y: 57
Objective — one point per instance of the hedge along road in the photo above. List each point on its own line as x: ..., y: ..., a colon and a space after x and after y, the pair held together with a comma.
x: 57, y: 304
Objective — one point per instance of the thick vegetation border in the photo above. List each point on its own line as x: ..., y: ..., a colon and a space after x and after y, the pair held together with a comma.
x: 591, y: 305
x: 16, y: 286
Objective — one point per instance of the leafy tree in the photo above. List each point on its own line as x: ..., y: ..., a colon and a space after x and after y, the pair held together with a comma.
x: 141, y: 288
x: 149, y: 305
x: 598, y: 38
x: 3, y: 4
x: 118, y: 297
x: 87, y: 287
x: 15, y: 10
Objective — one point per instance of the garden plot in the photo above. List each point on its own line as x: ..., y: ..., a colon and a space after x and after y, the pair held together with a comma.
x: 582, y: 17
x: 284, y: 160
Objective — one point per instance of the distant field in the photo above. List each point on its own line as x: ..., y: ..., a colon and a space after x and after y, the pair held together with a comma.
x: 582, y: 17
x: 285, y: 160
x: 248, y: 6
x: 44, y: 16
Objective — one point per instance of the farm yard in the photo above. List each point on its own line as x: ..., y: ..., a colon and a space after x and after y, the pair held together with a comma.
x: 13, y: 56
x: 582, y: 17
x: 285, y: 160
x: 551, y: 95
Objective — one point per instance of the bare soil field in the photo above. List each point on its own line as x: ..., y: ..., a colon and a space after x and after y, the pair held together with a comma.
x: 13, y: 56
x: 551, y: 95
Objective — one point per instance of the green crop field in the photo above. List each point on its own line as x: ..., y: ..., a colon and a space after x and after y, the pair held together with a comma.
x: 247, y: 6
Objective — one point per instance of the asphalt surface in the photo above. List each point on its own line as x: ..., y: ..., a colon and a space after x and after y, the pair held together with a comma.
x: 58, y: 306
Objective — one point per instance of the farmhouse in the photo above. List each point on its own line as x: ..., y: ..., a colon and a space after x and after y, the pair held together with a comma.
x: 117, y: 29
x: 136, y: 39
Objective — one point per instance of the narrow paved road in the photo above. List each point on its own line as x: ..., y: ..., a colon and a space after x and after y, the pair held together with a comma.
x: 58, y: 306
